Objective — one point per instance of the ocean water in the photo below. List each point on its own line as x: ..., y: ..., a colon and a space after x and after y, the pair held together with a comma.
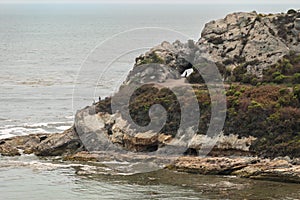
x: 26, y: 177
x: 42, y: 53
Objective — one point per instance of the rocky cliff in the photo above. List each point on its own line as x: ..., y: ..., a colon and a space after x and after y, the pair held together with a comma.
x: 256, y: 41
x: 243, y: 45
x: 258, y: 57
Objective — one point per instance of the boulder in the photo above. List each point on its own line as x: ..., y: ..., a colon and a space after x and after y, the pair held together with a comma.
x: 59, y: 144
x: 142, y: 142
x: 42, y: 144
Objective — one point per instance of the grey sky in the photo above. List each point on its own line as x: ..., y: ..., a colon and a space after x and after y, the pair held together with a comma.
x: 158, y: 1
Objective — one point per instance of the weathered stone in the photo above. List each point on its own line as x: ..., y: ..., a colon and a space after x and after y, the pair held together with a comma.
x: 92, y: 130
x: 82, y: 156
x: 263, y: 169
x: 223, y: 142
x: 247, y: 37
x: 164, y: 139
x: 102, y: 131
x: 145, y: 138
x: 42, y: 144
x: 275, y: 170
x: 253, y: 40
x: 67, y: 142
x: 210, y: 165
x: 7, y: 150
x: 142, y: 142
x: 297, y: 24
x: 21, y: 144
x: 176, y: 56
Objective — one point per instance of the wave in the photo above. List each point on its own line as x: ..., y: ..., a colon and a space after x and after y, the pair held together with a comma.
x: 8, y: 131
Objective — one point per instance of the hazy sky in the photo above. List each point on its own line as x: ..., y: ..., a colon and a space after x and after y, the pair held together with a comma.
x: 157, y: 1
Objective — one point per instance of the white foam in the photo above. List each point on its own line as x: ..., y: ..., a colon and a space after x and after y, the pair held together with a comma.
x: 8, y: 131
x: 69, y: 117
x: 19, y: 131
x: 39, y: 165
x: 63, y: 128
x: 47, y: 124
x: 116, y: 162
x: 35, y: 125
x: 5, y: 136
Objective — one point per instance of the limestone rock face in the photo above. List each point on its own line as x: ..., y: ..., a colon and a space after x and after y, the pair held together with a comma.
x: 177, y: 55
x: 151, y: 74
x: 255, y: 40
x: 105, y: 132
x: 230, y: 142
x: 173, y: 58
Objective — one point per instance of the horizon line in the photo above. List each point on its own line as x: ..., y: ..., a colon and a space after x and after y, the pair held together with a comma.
x: 174, y: 2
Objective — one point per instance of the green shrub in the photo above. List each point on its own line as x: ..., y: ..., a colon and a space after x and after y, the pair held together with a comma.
x: 296, y: 78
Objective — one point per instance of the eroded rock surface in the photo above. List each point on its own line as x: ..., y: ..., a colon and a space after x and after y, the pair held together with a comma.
x: 42, y: 144
x: 255, y: 168
x: 249, y: 40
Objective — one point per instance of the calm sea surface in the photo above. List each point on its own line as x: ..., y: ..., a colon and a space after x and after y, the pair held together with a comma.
x: 42, y: 48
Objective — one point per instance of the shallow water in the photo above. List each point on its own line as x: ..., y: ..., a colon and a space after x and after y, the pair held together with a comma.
x: 26, y: 177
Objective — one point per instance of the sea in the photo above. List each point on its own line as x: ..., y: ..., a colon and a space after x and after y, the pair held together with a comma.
x: 58, y: 58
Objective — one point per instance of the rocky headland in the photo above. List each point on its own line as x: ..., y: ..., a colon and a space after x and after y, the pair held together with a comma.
x: 258, y: 57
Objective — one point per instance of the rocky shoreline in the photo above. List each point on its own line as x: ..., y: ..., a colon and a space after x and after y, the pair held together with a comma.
x: 258, y: 57
x: 281, y: 169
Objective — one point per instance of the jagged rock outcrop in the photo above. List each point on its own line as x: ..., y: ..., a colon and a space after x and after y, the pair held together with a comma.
x: 248, y: 40
x: 110, y: 132
x: 255, y: 40
x: 177, y: 55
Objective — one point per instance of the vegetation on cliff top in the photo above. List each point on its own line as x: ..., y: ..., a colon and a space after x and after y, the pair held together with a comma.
x: 267, y: 108
x: 285, y: 71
